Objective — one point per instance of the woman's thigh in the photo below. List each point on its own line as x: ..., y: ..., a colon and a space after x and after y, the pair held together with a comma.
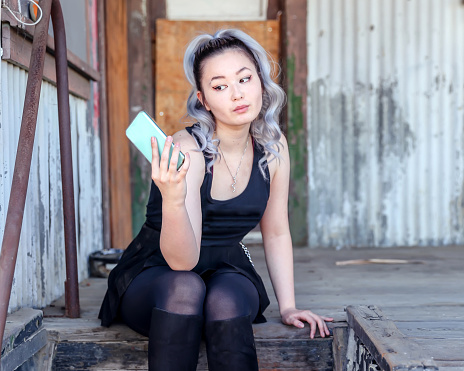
x: 230, y: 295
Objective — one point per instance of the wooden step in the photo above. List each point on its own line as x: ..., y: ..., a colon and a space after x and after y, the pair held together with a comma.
x: 376, y: 341
x: 23, y: 338
x: 83, y: 344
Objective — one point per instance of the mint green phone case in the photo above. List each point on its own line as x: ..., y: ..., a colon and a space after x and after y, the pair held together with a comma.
x: 140, y: 132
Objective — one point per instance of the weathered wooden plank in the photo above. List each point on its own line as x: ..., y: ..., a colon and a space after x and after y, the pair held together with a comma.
x: 102, y: 109
x: 275, y: 329
x: 118, y: 120
x: 27, y: 33
x: 89, y: 331
x: 315, y: 354
x: 308, y: 354
x: 279, y: 347
x: 339, y: 347
x: 433, y: 329
x: 17, y: 50
x: 140, y: 98
x: 19, y: 326
x: 23, y: 337
x: 295, y: 66
x: 84, y: 330
x: 93, y: 356
x: 390, y: 348
x: 428, y: 311
x: 449, y: 350
x: 24, y: 351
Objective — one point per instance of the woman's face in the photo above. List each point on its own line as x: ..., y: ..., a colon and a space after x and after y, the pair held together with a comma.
x: 231, y: 88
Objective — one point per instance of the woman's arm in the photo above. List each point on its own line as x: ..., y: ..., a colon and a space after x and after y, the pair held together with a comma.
x: 278, y: 248
x: 181, y: 205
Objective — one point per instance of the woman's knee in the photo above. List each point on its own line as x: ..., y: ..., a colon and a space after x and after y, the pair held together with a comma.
x: 230, y: 295
x: 185, y: 293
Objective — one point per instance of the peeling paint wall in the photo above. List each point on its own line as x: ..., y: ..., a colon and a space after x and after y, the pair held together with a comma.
x: 386, y: 122
x: 40, y: 268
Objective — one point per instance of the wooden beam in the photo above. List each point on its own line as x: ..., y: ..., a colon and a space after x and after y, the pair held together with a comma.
x: 26, y: 34
x: 391, y: 349
x: 104, y: 140
x: 118, y: 120
x: 274, y: 7
x: 17, y: 50
x: 140, y: 98
x: 294, y: 65
x: 157, y: 10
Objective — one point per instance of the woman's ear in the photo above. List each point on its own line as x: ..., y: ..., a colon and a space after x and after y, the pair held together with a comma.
x: 202, y: 101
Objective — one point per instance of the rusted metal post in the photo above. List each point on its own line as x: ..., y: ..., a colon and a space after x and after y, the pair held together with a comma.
x: 10, y: 243
x: 14, y: 216
x: 61, y: 63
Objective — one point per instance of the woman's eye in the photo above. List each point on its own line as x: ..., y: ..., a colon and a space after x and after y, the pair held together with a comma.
x: 219, y: 87
x: 245, y: 79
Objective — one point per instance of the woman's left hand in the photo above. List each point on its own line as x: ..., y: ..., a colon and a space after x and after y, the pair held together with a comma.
x: 297, y: 318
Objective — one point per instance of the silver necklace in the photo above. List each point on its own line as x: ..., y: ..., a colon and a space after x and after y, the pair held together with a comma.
x: 238, y: 168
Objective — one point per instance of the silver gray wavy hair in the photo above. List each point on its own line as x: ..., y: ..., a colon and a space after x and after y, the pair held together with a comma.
x: 264, y: 129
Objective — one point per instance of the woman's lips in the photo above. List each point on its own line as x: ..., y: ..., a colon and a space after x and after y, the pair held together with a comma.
x: 241, y: 109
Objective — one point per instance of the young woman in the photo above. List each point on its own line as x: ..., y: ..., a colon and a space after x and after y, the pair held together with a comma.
x: 187, y: 272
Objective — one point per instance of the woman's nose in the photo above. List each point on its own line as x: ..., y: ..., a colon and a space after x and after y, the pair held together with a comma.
x: 237, y: 92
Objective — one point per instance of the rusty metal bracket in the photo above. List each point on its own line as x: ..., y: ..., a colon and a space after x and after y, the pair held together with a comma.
x: 10, y: 243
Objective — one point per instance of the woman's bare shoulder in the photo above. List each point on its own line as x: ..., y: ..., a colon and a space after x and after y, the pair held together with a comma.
x: 189, y: 145
x: 186, y: 140
x: 283, y: 161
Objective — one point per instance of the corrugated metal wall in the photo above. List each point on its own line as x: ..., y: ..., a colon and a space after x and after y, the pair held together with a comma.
x: 386, y: 122
x: 40, y: 268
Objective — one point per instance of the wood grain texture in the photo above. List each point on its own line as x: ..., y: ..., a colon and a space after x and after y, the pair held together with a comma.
x: 172, y: 37
x: 390, y: 348
x: 339, y: 347
x: 274, y: 7
x: 433, y: 330
x: 17, y: 50
x: 296, y: 70
x: 140, y: 98
x: 91, y: 347
x: 118, y: 120
x: 26, y: 33
x: 418, y: 299
x: 104, y: 132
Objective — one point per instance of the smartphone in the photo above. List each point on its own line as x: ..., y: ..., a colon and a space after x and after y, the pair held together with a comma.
x: 140, y: 131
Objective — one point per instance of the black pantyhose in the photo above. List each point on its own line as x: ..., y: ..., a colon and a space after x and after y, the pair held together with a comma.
x: 185, y: 297
x: 230, y: 295
x: 225, y: 296
x: 179, y: 292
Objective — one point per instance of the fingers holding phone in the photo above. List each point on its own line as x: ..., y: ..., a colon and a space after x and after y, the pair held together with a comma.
x: 169, y: 180
x: 173, y: 162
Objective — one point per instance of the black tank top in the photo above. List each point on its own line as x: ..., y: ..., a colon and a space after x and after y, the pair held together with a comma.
x: 224, y: 224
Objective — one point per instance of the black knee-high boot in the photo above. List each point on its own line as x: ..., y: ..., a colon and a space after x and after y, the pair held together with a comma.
x: 230, y: 345
x: 174, y: 341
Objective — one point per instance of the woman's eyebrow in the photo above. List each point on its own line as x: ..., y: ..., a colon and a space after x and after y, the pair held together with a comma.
x: 217, y: 77
x: 242, y: 69
x: 223, y: 77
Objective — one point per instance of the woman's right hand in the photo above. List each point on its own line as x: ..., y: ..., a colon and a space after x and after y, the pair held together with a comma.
x: 170, y: 181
